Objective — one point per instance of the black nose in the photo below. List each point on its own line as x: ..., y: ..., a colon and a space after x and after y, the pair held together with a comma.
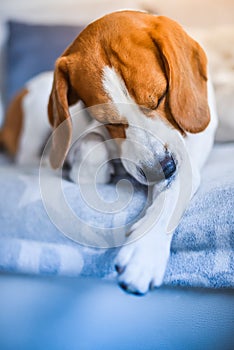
x: 168, y: 166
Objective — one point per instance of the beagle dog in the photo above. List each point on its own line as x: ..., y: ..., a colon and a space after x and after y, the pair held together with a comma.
x: 145, y: 81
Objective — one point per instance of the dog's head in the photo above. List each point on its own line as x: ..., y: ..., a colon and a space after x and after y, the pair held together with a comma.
x: 154, y: 75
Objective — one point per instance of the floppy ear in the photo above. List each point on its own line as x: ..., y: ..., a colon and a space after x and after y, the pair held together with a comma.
x: 58, y: 111
x: 186, y: 68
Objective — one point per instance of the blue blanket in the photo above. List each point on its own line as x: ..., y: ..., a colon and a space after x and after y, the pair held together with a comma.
x: 202, y: 248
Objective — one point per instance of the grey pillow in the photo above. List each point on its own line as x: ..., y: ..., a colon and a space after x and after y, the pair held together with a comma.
x: 32, y: 49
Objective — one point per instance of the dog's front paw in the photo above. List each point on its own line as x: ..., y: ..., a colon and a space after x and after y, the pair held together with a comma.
x: 141, y: 265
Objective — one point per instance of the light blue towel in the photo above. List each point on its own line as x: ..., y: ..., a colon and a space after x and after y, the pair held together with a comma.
x: 202, y: 248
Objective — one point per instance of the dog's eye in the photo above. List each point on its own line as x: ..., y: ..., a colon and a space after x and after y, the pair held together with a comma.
x: 160, y: 99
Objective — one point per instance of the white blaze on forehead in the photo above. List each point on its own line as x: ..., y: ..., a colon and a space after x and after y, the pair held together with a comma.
x: 116, y: 89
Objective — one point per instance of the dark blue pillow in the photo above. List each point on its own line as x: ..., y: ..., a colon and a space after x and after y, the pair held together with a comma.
x: 32, y: 49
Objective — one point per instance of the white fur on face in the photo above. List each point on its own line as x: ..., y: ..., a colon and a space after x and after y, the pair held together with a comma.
x: 148, y: 140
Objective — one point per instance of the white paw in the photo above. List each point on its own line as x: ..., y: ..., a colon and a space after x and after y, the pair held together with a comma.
x: 141, y: 265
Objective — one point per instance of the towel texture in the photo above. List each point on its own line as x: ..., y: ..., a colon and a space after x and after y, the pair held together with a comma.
x: 202, y: 252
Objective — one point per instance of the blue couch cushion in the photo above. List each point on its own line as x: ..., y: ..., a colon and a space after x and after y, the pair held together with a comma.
x: 32, y: 49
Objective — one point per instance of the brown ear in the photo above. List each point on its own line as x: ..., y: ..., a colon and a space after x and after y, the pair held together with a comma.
x: 58, y: 112
x: 186, y: 67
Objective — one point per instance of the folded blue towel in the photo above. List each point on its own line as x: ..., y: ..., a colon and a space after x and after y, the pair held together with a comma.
x: 202, y: 247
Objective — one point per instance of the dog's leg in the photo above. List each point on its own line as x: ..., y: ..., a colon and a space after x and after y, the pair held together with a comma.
x: 142, y: 262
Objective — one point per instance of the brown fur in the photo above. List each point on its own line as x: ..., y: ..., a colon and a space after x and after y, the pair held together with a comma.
x: 116, y: 130
x: 12, y: 128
